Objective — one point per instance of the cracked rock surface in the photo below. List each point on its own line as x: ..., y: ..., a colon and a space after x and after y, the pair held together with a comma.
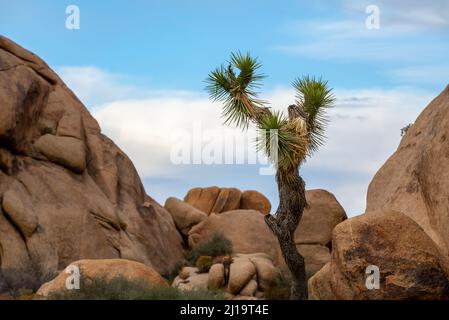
x: 67, y: 192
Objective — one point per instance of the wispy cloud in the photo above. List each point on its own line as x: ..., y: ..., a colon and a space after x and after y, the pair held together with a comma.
x: 410, y: 31
x: 407, y: 15
x: 349, y: 40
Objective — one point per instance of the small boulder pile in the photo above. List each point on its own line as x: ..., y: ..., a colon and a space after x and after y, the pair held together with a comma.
x: 242, y: 276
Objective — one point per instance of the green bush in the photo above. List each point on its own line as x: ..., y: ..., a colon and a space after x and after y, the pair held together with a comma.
x: 217, y: 245
x: 204, y: 263
x: 120, y: 288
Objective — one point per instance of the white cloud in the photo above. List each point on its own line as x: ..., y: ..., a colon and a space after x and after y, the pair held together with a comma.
x: 148, y: 129
x: 363, y: 133
x: 93, y: 85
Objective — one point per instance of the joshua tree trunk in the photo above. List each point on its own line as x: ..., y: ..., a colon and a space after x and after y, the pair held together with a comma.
x: 292, y: 201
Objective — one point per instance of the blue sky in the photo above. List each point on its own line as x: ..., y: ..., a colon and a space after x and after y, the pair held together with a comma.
x: 137, y: 64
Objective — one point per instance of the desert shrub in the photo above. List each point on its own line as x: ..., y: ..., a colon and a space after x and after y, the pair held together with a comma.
x: 120, y: 288
x: 217, y: 245
x: 15, y: 281
x: 280, y: 291
x: 204, y: 263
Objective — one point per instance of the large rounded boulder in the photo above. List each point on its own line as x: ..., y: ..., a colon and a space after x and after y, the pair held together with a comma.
x: 415, y: 179
x: 388, y: 246
x: 103, y: 270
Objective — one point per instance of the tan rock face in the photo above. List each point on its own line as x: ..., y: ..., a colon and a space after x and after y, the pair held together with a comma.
x: 243, y: 298
x: 216, y: 278
x: 267, y: 273
x: 70, y: 125
x: 184, y: 215
x: 68, y: 192
x: 415, y: 179
x: 315, y: 256
x: 250, y: 289
x: 320, y: 285
x: 255, y: 200
x: 319, y: 219
x: 314, y: 233
x: 246, y: 229
x: 228, y: 199
x: 66, y: 151
x: 410, y: 264
x: 191, y: 280
x: 203, y: 198
x: 106, y: 269
x: 218, y: 200
x: 241, y: 272
x: 19, y: 209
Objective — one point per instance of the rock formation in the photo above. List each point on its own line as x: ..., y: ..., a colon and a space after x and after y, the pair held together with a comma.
x: 415, y: 179
x: 255, y: 200
x: 245, y: 228
x: 184, y: 215
x: 404, y: 232
x: 250, y: 275
x: 105, y: 270
x: 313, y: 236
x: 68, y: 192
x: 217, y: 200
x: 409, y: 263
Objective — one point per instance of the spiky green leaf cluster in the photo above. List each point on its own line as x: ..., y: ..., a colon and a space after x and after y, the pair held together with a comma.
x: 236, y: 91
x: 299, y: 135
x: 314, y: 97
x: 277, y: 134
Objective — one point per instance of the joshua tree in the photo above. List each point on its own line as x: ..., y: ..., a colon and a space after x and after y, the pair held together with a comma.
x: 297, y: 136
